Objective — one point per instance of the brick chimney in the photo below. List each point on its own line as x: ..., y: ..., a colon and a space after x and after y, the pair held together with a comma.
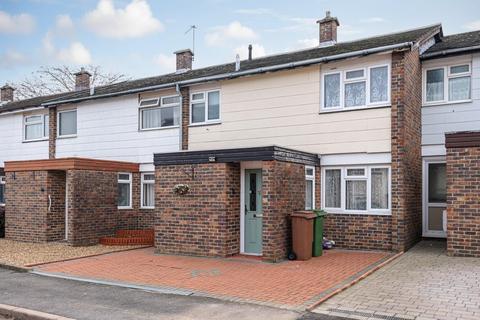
x: 184, y: 59
x: 328, y: 29
x: 6, y: 93
x: 82, y: 80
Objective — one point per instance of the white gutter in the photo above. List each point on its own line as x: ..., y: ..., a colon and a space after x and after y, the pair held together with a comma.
x: 20, y: 110
x: 449, y: 51
x: 236, y: 74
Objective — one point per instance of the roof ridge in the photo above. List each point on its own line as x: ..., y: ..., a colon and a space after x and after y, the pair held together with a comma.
x: 461, y: 33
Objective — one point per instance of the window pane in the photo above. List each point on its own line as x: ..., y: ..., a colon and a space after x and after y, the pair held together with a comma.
x: 459, y: 69
x: 355, y: 94
x: 151, y: 118
x: 168, y: 116
x: 33, y: 131
x: 332, y: 188
x: 355, y: 172
x: 171, y: 100
x: 149, y: 177
x: 214, y: 105
x: 123, y: 194
x: 68, y: 123
x: 332, y: 90
x: 379, y: 84
x: 197, y: 96
x: 459, y: 88
x: 379, y: 188
x: 32, y: 119
x: 356, y: 194
x: 435, y: 85
x: 148, y: 195
x: 198, y: 112
x: 437, y: 183
x: 149, y: 102
x: 309, y: 172
x: 46, y: 125
x: 253, y: 192
x: 123, y: 176
x: 354, y: 74
x: 308, y: 195
x: 2, y: 193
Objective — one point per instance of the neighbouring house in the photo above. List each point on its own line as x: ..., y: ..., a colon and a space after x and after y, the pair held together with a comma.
x: 215, y: 159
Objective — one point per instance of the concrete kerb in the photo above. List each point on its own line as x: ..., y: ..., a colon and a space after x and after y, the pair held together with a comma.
x: 26, y: 314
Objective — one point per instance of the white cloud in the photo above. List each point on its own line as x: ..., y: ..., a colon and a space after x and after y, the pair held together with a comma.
x: 234, y: 31
x: 76, y: 53
x: 307, y: 43
x: 373, y: 20
x: 257, y: 51
x: 135, y: 20
x: 473, y: 25
x: 255, y: 11
x: 167, y: 63
x: 16, y: 24
x: 64, y: 24
x: 11, y: 58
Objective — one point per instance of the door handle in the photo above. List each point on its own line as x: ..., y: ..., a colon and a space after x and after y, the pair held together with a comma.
x: 258, y: 215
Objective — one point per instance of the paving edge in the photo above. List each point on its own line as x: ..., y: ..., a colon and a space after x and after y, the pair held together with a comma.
x: 27, y: 266
x: 354, y: 281
x: 18, y: 313
x: 14, y: 268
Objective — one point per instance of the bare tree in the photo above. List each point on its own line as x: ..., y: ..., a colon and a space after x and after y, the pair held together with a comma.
x: 51, y: 80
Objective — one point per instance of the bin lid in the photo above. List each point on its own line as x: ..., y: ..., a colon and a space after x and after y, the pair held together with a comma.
x: 320, y: 213
x: 303, y: 214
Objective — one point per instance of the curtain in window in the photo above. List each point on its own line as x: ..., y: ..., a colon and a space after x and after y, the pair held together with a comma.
x: 151, y: 118
x: 198, y: 112
x: 308, y: 195
x: 124, y: 194
x: 148, y: 195
x: 332, y: 90
x: 214, y: 105
x: 459, y: 88
x: 356, y: 195
x: 2, y: 193
x: 435, y: 85
x: 379, y: 84
x: 379, y: 182
x: 355, y: 94
x: 332, y: 188
x: 33, y: 131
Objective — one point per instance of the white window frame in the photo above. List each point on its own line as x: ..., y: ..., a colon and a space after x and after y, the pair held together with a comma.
x: 310, y: 178
x: 344, y: 81
x: 367, y: 176
x: 156, y: 102
x: 205, y: 100
x: 159, y: 105
x: 129, y: 181
x: 58, y: 124
x: 447, y: 75
x: 2, y: 183
x: 43, y: 121
x: 142, y: 183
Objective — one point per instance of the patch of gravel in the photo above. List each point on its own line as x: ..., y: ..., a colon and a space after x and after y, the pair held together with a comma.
x: 21, y: 254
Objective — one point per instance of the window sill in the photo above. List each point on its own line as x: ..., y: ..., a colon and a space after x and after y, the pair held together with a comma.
x: 445, y: 103
x: 67, y: 137
x: 359, y: 213
x: 205, y: 124
x: 35, y: 140
x: 353, y: 109
x: 124, y: 208
x: 147, y: 208
x: 161, y: 128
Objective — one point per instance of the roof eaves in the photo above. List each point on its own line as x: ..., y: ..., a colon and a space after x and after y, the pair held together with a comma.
x: 448, y: 52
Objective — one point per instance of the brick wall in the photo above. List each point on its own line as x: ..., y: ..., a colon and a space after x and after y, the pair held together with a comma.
x: 463, y: 201
x: 2, y: 212
x: 205, y: 221
x: 283, y: 194
x: 406, y: 149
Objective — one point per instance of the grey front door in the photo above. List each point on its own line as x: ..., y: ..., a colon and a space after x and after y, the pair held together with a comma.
x: 253, y: 211
x: 435, y: 202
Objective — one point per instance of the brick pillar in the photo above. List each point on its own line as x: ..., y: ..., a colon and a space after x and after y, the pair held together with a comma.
x: 328, y: 28
x: 185, y: 93
x: 406, y: 149
x: 52, y: 132
x: 6, y: 93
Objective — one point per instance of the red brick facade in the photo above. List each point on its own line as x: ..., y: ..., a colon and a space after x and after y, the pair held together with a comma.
x: 463, y: 201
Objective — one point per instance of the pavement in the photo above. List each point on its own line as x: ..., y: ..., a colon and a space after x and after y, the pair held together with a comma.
x: 80, y: 300
x: 422, y: 284
x: 295, y: 285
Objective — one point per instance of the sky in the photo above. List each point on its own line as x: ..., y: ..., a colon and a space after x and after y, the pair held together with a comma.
x: 138, y: 37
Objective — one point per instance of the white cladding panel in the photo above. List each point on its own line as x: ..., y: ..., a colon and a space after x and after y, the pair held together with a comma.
x: 440, y: 119
x: 12, y: 146
x: 282, y: 108
x: 109, y: 129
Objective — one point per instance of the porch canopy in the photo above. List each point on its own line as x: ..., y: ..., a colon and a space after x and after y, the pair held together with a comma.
x: 72, y: 163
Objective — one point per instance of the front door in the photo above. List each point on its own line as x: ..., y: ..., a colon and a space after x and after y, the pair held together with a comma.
x: 435, y: 199
x: 253, y: 211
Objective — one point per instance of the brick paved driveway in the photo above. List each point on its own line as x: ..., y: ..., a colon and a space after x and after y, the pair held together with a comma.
x: 295, y: 285
x: 424, y: 283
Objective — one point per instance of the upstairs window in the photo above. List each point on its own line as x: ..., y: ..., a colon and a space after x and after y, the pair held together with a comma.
x: 205, y: 107
x: 450, y: 83
x: 356, y: 88
x: 164, y: 113
x: 2, y: 191
x: 67, y: 123
x: 35, y: 127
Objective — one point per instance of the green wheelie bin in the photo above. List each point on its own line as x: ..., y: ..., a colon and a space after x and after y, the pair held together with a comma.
x: 318, y: 233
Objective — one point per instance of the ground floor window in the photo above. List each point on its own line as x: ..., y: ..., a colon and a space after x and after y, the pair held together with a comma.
x: 2, y: 191
x: 309, y: 188
x: 356, y: 189
x: 148, y: 191
x: 124, y: 190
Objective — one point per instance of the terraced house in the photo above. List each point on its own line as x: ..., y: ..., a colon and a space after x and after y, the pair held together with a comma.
x: 215, y: 159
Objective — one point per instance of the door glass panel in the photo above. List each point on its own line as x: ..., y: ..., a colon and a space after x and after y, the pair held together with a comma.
x: 253, y: 192
x: 435, y: 218
x: 437, y: 183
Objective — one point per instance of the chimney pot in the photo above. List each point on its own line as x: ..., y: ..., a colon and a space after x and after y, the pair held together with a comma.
x: 184, y: 59
x: 82, y: 79
x: 6, y: 93
x: 328, y: 29
x: 250, y: 52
